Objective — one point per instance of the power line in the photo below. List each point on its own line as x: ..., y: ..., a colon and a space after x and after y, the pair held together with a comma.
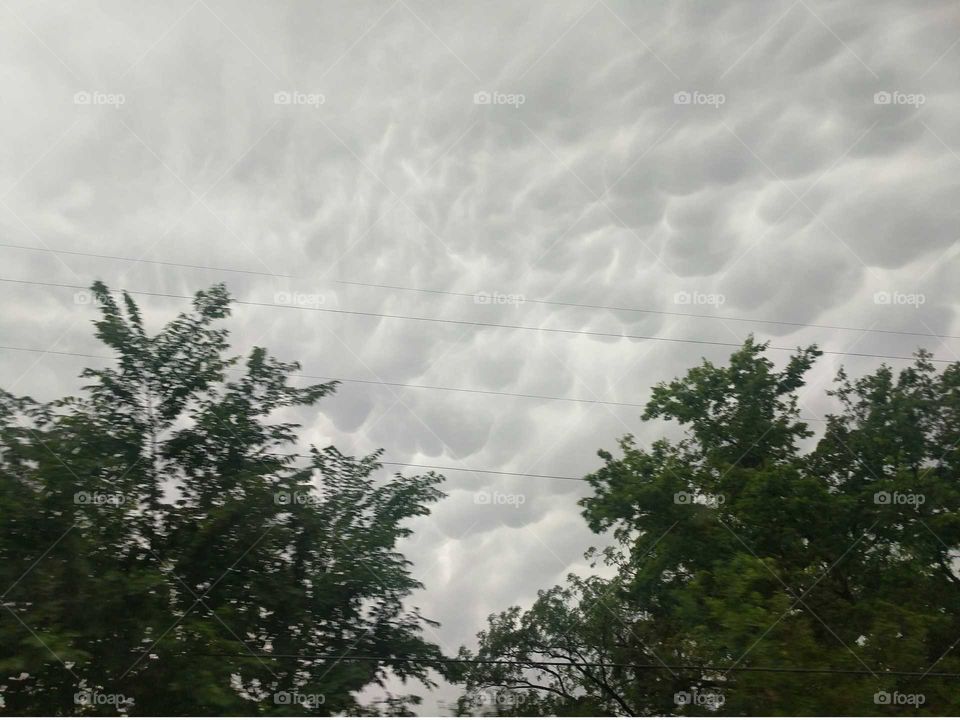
x: 650, y: 311
x: 55, y: 352
x: 473, y: 470
x: 657, y: 312
x: 473, y: 390
x: 489, y: 392
x: 488, y: 472
x: 136, y: 260
x: 397, y: 384
x: 377, y: 382
x: 465, y: 469
x: 383, y: 462
x: 478, y: 323
x: 560, y: 663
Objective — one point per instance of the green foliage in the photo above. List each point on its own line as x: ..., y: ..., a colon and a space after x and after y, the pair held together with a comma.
x: 734, y: 547
x: 158, y: 532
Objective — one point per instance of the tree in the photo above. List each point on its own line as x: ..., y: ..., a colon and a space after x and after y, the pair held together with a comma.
x: 735, y: 548
x: 164, y: 551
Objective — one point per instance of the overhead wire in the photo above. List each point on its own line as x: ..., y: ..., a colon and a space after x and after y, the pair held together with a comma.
x: 478, y: 323
x: 603, y: 665
x: 561, y: 303
x: 414, y: 386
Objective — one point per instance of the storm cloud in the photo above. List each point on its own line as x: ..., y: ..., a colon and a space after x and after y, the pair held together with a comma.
x: 793, y: 161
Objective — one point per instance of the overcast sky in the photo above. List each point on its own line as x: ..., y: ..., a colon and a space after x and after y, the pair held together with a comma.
x: 792, y: 161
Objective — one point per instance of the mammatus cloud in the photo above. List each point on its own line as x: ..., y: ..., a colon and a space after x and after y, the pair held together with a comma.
x: 780, y: 161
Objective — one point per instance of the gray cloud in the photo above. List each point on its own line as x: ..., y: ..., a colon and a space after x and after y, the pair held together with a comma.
x: 798, y: 197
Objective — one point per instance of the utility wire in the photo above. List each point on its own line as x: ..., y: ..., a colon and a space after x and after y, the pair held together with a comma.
x: 477, y: 323
x: 135, y: 260
x: 55, y: 352
x: 560, y: 663
x: 473, y: 390
x: 589, y: 306
x: 360, y: 658
x: 394, y: 384
x: 489, y: 472
x: 373, y: 382
x: 377, y: 382
x: 651, y: 311
x: 463, y: 469
x: 383, y: 462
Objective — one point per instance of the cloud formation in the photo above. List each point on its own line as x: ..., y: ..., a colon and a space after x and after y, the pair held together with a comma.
x: 782, y: 161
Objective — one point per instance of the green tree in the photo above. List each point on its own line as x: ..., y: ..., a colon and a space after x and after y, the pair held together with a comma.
x: 159, y: 535
x: 744, y: 544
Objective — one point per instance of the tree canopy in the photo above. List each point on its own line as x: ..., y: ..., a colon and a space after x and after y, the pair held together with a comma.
x: 164, y: 549
x: 746, y: 546
x: 160, y: 536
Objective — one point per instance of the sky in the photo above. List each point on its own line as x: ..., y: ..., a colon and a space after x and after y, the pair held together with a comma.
x: 682, y: 171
